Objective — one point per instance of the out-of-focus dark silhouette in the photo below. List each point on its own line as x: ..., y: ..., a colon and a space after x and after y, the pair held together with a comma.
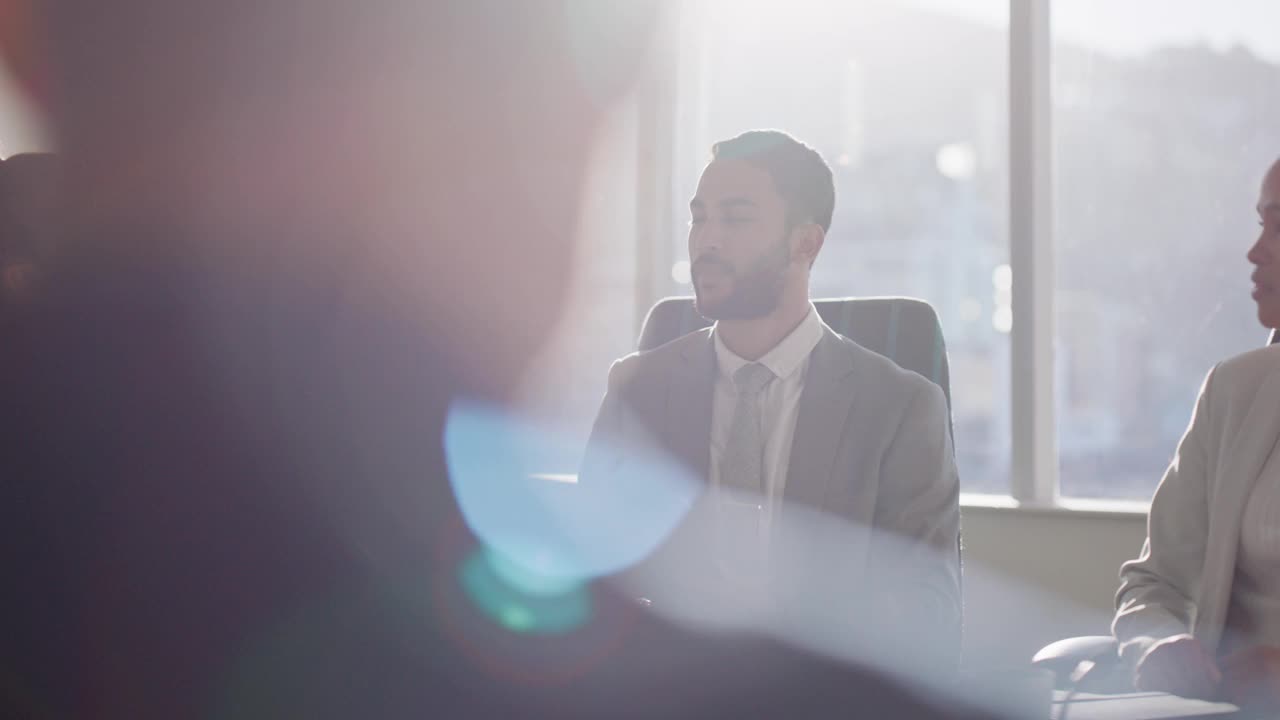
x: 291, y: 234
x: 28, y: 187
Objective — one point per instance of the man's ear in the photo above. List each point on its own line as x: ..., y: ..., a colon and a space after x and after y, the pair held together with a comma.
x: 808, y: 242
x: 22, y: 49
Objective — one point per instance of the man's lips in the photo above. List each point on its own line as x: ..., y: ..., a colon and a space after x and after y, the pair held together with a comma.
x: 710, y: 273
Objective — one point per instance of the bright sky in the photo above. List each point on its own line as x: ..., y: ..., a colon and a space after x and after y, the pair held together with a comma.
x: 1131, y: 27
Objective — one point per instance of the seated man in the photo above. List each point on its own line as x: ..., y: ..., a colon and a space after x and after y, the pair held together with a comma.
x: 775, y: 410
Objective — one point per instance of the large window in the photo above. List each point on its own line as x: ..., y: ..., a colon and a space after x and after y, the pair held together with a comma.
x: 908, y: 104
x: 1131, y: 135
x: 1165, y: 116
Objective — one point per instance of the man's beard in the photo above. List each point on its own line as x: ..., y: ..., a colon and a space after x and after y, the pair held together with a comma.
x: 755, y: 293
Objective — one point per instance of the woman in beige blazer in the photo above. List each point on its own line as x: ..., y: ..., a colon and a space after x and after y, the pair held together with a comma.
x: 1194, y: 618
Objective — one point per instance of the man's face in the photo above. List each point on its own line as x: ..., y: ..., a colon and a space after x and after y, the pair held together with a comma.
x: 739, y: 242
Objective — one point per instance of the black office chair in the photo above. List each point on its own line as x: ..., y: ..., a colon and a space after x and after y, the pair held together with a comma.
x: 1090, y: 662
x: 905, y: 330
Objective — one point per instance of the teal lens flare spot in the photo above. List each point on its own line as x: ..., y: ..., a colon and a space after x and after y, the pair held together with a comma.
x: 538, y: 580
x: 529, y: 605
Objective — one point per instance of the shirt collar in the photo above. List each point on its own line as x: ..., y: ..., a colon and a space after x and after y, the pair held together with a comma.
x: 785, y: 358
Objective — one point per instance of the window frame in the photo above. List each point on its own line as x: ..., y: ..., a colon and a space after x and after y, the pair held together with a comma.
x: 1034, y: 445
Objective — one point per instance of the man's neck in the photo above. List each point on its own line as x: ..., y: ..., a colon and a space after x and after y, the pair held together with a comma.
x: 751, y: 339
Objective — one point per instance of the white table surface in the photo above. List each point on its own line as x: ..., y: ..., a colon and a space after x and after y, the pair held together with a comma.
x: 1139, y: 706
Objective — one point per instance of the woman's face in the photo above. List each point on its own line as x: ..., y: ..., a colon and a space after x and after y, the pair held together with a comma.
x: 1266, y: 251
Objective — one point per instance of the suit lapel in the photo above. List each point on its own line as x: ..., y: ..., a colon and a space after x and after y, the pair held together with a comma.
x: 1245, y: 461
x: 688, y: 421
x: 820, y: 422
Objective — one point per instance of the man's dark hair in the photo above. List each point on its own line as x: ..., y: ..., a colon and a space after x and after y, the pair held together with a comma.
x: 802, y: 177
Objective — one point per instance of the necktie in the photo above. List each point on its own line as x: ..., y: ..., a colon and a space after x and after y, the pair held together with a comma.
x: 742, y: 465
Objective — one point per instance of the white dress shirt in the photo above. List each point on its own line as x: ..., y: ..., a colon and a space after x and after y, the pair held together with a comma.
x: 779, y: 402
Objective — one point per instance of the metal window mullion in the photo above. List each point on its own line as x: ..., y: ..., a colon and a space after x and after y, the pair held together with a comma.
x: 1034, y: 442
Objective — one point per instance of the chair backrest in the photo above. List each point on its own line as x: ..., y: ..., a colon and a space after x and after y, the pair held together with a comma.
x: 905, y: 330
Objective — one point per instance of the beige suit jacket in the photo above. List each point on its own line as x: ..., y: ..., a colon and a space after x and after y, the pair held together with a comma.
x: 1182, y: 580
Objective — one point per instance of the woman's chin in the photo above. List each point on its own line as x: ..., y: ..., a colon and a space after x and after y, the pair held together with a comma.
x: 1268, y: 317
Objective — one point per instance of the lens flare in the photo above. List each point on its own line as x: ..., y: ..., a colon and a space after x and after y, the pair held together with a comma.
x: 543, y: 541
x: 513, y: 606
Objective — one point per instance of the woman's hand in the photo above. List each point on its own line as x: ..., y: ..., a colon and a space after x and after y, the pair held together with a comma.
x: 1251, y: 678
x: 1179, y: 665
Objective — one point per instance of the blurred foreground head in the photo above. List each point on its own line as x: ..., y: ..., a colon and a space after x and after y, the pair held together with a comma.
x: 27, y: 208
x: 434, y: 151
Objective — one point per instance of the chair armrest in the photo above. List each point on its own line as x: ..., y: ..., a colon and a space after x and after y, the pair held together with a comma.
x: 1089, y: 662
